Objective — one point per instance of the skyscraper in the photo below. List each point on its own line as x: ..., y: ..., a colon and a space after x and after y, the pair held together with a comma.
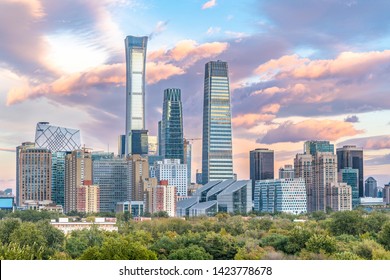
x: 261, y: 166
x: 172, y: 146
x: 351, y: 156
x: 33, y: 178
x: 56, y: 139
x: 217, y: 162
x: 188, y: 158
x: 351, y: 177
x: 135, y: 87
x: 174, y: 172
x: 314, y: 146
x: 370, y: 187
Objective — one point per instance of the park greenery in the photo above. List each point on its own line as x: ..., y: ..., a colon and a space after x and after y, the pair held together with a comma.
x: 349, y: 235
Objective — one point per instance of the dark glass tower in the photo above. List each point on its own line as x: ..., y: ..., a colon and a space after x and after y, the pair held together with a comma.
x: 171, y: 144
x: 217, y: 161
x: 261, y: 165
x: 351, y: 156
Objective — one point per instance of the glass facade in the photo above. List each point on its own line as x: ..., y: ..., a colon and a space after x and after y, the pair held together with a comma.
x: 172, y: 145
x: 351, y: 156
x: 139, y: 142
x: 56, y: 139
x: 217, y: 162
x: 58, y: 178
x: 313, y: 147
x: 351, y: 177
x: 135, y: 86
x: 261, y: 165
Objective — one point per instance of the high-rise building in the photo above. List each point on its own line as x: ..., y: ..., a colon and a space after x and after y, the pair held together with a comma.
x: 350, y: 176
x: 152, y: 145
x: 122, y: 145
x: 33, y: 178
x: 324, y: 176
x: 280, y: 195
x: 56, y: 139
x: 370, y: 187
x: 287, y: 172
x: 58, y: 178
x: 139, y: 142
x: 187, y: 159
x: 114, y: 177
x: 172, y: 145
x: 315, y: 146
x: 351, y: 156
x: 386, y: 193
x: 135, y: 87
x: 162, y: 197
x: 198, y: 177
x: 217, y: 161
x: 88, y: 198
x: 174, y: 172
x: 339, y: 197
x: 140, y: 167
x: 261, y: 165
x: 78, y: 168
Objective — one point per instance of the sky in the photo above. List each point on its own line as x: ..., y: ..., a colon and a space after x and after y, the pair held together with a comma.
x: 299, y: 70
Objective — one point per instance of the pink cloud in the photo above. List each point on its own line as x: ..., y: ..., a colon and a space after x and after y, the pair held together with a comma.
x: 209, y: 4
x: 156, y: 72
x: 187, y: 52
x: 310, y: 129
x: 250, y: 120
x: 369, y: 143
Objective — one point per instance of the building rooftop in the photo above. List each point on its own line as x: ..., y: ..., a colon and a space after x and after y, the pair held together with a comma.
x: 207, y: 187
x: 204, y: 205
x: 220, y: 187
x: 187, y: 203
x: 236, y: 186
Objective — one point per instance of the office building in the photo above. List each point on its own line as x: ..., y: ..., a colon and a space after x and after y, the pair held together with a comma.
x: 135, y: 89
x: 58, y: 177
x: 370, y: 187
x: 140, y: 172
x: 287, y: 172
x: 122, y: 145
x: 135, y: 208
x: 280, y: 195
x: 217, y: 162
x: 175, y: 173
x: 188, y: 159
x: 152, y: 145
x: 56, y: 139
x: 33, y: 178
x: 171, y: 143
x: 229, y: 196
x: 114, y: 178
x: 350, y: 176
x: 315, y: 146
x: 198, y: 177
x: 139, y: 142
x: 339, y: 197
x: 78, y: 168
x: 324, y: 176
x: 351, y: 156
x: 386, y: 194
x: 261, y: 165
x: 161, y: 197
x: 88, y: 198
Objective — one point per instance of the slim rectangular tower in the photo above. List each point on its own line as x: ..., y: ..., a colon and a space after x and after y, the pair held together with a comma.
x: 217, y: 161
x: 135, y: 87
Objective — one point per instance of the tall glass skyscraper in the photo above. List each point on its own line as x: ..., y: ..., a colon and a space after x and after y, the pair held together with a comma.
x: 217, y: 161
x: 261, y: 166
x: 352, y: 156
x: 171, y: 144
x: 135, y: 87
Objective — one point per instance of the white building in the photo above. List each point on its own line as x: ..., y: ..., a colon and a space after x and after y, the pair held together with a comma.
x: 174, y: 172
x: 280, y: 195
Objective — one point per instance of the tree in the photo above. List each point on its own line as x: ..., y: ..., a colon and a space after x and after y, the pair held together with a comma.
x: 220, y: 247
x: 7, y: 227
x: 192, y: 252
x: 374, y: 222
x: 346, y: 222
x: 80, y: 240
x: 54, y: 237
x: 384, y: 236
x: 275, y: 240
x: 319, y: 243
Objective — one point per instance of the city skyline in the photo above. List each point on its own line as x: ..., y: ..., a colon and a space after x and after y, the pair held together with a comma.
x: 298, y: 72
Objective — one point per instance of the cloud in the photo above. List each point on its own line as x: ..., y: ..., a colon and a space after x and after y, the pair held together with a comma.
x: 213, y: 30
x: 187, y: 52
x: 160, y: 27
x: 369, y: 143
x: 352, y: 119
x: 250, y: 120
x: 71, y: 84
x: 309, y: 130
x: 379, y: 160
x: 209, y: 4
x: 161, y: 71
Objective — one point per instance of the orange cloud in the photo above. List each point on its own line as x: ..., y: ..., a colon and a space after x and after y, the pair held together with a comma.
x: 310, y: 130
x: 34, y: 6
x: 161, y: 71
x: 271, y: 108
x: 250, y: 120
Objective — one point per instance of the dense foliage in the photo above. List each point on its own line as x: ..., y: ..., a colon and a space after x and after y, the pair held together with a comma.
x: 351, y: 235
